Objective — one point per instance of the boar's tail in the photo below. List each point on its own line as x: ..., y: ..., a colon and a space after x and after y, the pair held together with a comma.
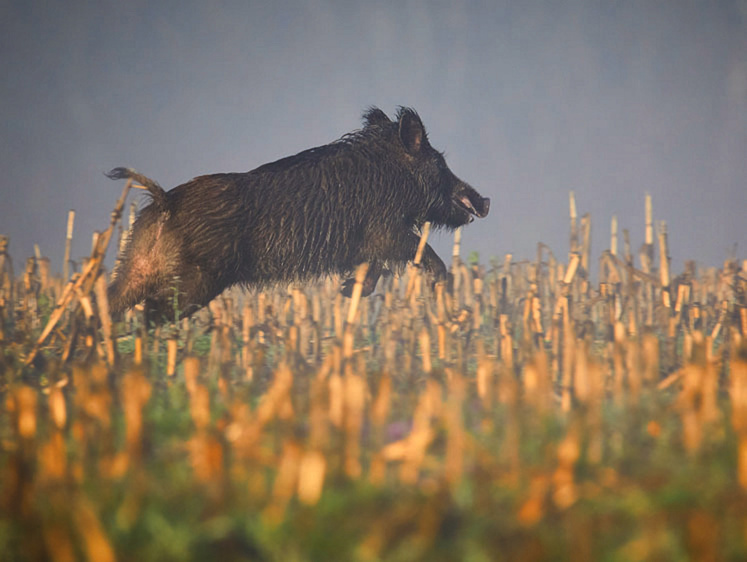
x: 155, y: 190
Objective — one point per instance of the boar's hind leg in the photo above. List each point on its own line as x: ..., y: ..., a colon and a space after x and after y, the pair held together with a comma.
x: 122, y: 296
x: 156, y: 311
x: 369, y: 282
x: 164, y: 308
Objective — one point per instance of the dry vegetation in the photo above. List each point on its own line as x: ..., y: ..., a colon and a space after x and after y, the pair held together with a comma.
x: 525, y: 413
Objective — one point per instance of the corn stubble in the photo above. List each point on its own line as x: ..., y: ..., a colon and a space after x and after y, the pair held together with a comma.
x: 524, y: 412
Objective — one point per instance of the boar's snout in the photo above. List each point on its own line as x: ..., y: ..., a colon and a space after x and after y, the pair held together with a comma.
x: 482, y: 209
x: 469, y: 200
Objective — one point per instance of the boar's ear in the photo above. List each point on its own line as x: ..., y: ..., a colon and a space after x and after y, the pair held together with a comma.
x: 374, y: 116
x: 411, y: 131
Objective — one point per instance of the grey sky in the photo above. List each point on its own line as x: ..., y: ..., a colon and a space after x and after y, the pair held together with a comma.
x: 528, y: 99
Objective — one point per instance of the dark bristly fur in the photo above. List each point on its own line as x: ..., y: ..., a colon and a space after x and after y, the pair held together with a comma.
x: 359, y: 199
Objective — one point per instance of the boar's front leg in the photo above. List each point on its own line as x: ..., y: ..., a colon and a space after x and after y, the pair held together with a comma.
x: 430, y: 262
x: 404, y: 252
x: 369, y: 282
x: 433, y: 264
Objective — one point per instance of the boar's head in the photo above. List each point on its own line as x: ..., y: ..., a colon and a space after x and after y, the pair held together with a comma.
x: 450, y: 202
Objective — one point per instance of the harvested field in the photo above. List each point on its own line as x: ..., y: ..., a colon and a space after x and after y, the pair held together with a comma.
x: 528, y: 411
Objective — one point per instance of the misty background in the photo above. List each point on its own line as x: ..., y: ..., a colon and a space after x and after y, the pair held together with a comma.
x: 529, y: 100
